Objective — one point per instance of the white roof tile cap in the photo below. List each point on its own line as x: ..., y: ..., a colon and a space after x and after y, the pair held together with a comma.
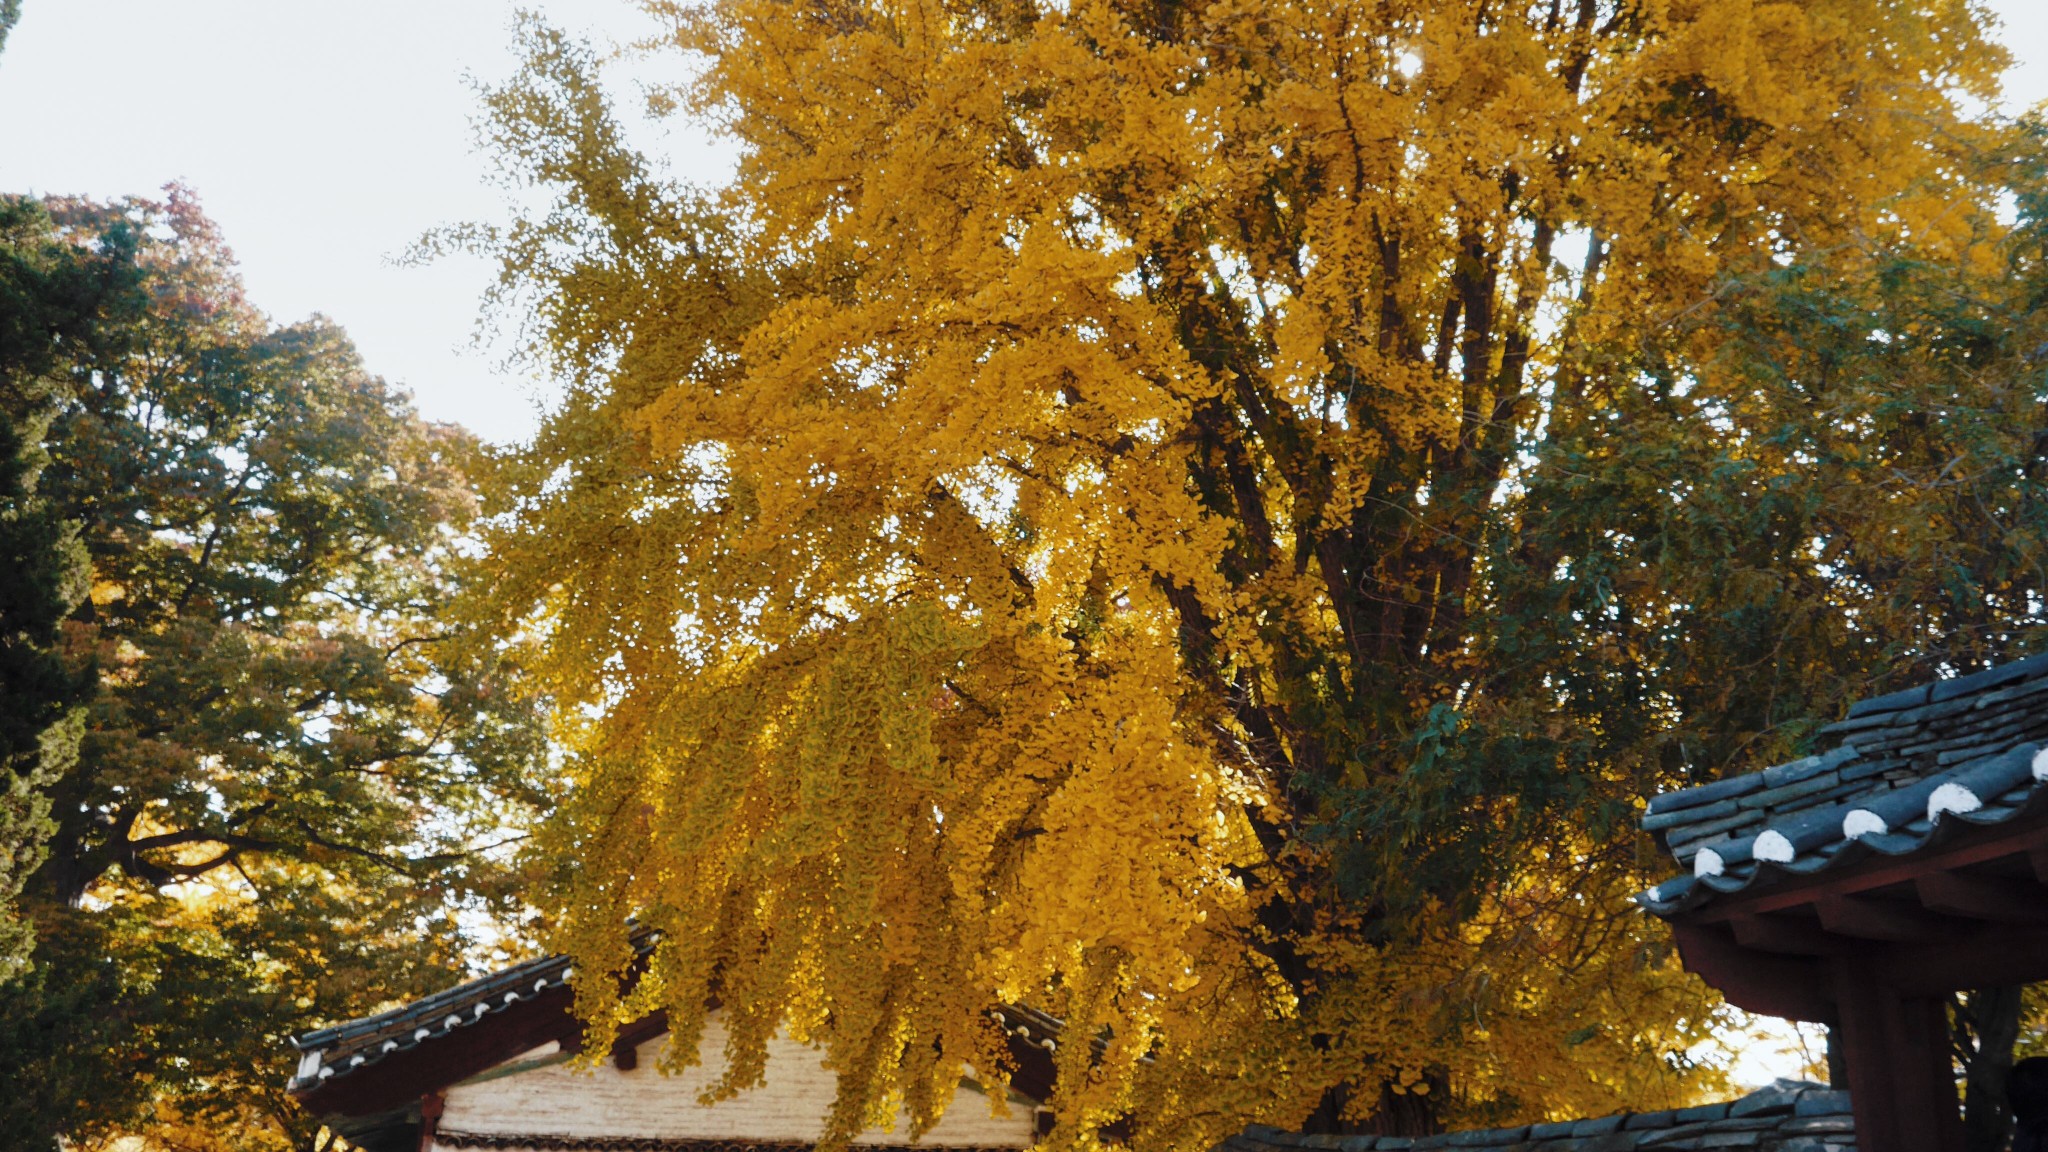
x: 1863, y: 822
x: 1951, y: 797
x: 1773, y: 848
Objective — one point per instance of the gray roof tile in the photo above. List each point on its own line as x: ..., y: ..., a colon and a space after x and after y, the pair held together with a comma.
x: 1784, y: 1117
x: 1706, y: 793
x: 1889, y: 702
x: 1913, y: 767
x: 356, y: 1044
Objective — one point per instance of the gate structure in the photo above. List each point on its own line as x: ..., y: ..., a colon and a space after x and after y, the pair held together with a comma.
x: 1861, y: 887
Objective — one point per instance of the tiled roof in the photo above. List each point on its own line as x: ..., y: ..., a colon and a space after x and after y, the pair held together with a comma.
x: 344, y: 1048
x: 1788, y: 1116
x: 443, y: 1138
x: 1907, y: 771
x: 337, y: 1051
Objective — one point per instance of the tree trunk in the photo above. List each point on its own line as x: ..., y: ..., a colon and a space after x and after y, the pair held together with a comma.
x: 1410, y: 1113
x: 1397, y: 1114
x: 1984, y: 1025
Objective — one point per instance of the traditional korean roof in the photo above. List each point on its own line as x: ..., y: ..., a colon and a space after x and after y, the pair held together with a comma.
x: 367, y: 1077
x: 1788, y: 1116
x: 349, y: 1047
x: 443, y: 1138
x: 1906, y: 772
x: 343, y: 1049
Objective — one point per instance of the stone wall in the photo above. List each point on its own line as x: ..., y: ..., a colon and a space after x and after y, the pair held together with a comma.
x: 542, y: 1095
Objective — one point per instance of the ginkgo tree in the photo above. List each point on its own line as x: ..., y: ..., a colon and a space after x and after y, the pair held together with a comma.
x: 1086, y: 517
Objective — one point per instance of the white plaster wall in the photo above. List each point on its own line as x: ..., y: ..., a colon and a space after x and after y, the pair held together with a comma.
x: 558, y: 1100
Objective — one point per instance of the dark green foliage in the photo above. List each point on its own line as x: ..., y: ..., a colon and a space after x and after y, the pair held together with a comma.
x: 1828, y: 484
x: 289, y: 773
x: 51, y: 296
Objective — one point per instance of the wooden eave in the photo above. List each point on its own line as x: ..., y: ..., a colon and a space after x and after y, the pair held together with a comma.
x: 396, y: 1081
x: 401, y: 1078
x: 1969, y: 913
x: 1874, y: 949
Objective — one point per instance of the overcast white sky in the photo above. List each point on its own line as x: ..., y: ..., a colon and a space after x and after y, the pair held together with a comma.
x: 324, y: 137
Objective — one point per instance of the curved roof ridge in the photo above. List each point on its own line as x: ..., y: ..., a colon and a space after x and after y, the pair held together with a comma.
x: 1907, y: 770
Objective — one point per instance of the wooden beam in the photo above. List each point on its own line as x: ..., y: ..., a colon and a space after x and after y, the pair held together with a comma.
x: 2025, y: 837
x: 1795, y: 987
x: 431, y: 1107
x: 2014, y: 955
x: 2037, y: 856
x: 1868, y: 919
x: 1983, y: 898
x: 1785, y: 935
x: 626, y: 1046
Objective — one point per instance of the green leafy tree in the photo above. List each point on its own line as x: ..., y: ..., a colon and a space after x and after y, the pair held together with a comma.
x: 1828, y: 484
x: 10, y: 12
x: 291, y: 777
x: 50, y: 294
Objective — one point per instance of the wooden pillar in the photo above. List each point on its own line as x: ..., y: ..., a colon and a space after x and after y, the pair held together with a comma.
x: 431, y: 1106
x: 1897, y: 1052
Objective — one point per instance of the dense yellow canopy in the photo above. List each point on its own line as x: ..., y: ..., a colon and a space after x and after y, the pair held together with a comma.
x: 985, y: 544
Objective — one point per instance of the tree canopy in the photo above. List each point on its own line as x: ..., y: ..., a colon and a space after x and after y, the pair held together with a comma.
x: 1208, y: 518
x: 292, y: 779
x: 49, y: 296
